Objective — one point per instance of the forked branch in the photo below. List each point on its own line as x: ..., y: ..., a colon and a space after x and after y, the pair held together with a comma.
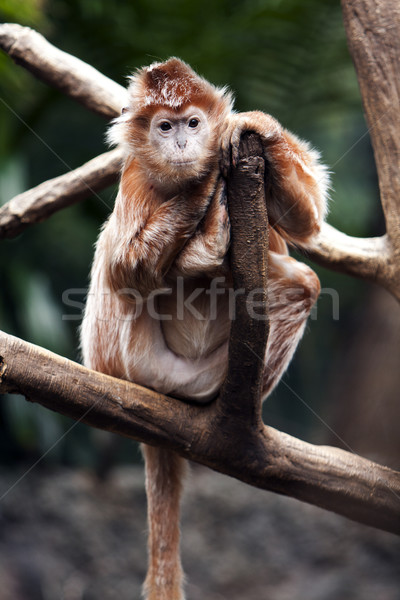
x: 327, y: 477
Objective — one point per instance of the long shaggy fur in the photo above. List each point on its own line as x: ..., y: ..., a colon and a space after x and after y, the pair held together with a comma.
x: 169, y: 232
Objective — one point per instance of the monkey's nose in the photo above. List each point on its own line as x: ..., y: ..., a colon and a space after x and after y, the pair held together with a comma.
x: 181, y: 142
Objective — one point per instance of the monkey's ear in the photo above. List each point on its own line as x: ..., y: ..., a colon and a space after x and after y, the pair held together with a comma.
x: 118, y: 133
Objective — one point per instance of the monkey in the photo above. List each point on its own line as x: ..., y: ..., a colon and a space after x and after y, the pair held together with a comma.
x: 159, y: 306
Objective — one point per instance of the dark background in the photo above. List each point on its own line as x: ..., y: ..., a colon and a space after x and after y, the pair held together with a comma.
x: 285, y: 57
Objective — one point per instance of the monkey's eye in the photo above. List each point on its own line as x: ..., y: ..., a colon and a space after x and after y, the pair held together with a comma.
x: 165, y: 126
x: 193, y: 123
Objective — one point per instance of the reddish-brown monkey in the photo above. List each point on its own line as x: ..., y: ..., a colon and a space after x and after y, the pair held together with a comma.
x: 159, y: 307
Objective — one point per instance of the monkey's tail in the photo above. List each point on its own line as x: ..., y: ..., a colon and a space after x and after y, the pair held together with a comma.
x: 164, y: 474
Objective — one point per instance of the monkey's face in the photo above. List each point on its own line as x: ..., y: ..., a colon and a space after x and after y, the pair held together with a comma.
x: 181, y: 143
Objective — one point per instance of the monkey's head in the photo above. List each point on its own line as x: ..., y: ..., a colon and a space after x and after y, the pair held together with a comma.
x: 173, y: 122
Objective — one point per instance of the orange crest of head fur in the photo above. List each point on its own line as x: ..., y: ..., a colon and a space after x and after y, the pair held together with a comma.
x: 171, y: 84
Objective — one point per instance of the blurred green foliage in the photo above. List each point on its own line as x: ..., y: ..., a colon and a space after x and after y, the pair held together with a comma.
x: 286, y: 57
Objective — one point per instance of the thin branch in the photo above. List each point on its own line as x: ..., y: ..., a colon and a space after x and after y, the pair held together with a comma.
x: 41, y: 202
x: 360, y: 257
x: 63, y: 71
x: 327, y: 477
x: 372, y: 259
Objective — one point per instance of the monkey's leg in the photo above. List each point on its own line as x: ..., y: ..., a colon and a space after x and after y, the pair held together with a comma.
x: 164, y: 474
x: 292, y: 292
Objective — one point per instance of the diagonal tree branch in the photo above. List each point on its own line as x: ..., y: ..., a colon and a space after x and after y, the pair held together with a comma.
x: 41, y: 202
x: 327, y: 477
x: 62, y: 70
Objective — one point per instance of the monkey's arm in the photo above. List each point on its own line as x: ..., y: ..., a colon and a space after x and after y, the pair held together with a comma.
x: 205, y: 251
x: 141, y: 255
x: 296, y: 182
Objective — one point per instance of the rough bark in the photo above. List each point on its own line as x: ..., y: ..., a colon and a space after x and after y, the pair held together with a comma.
x: 249, y: 248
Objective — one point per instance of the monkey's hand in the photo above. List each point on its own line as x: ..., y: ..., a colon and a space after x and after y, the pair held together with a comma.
x: 143, y: 252
x: 205, y: 251
x: 296, y: 182
x: 264, y: 125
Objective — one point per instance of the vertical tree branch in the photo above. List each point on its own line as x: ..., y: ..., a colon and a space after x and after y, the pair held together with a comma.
x: 373, y: 34
x: 249, y: 261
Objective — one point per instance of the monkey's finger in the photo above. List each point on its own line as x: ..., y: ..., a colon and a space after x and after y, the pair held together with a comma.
x: 235, y: 141
x: 225, y: 160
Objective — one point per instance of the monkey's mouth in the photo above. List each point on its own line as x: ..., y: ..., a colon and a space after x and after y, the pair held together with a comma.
x: 182, y: 163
